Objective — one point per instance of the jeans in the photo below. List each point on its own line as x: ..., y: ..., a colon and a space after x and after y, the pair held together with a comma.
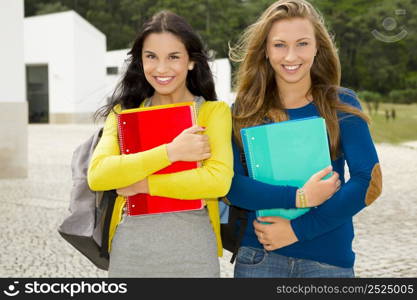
x: 255, y: 262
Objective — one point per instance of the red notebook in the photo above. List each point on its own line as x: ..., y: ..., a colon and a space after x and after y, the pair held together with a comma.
x: 141, y: 129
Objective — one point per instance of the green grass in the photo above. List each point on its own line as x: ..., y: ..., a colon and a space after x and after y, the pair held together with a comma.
x: 402, y: 129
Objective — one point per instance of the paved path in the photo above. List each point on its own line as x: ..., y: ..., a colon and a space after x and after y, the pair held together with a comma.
x: 385, y: 242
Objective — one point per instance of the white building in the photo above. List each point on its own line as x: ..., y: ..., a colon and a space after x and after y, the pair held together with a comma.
x: 13, y: 106
x: 222, y: 74
x: 65, y: 65
x: 115, y: 67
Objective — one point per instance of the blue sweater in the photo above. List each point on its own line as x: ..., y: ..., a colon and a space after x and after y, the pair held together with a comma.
x: 324, y: 233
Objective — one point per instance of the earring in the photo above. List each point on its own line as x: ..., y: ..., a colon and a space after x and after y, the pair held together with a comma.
x: 190, y: 67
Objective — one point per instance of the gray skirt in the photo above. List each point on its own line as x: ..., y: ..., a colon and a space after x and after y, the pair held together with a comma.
x: 171, y: 245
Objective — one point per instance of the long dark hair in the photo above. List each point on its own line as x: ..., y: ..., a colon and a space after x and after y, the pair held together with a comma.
x: 133, y: 89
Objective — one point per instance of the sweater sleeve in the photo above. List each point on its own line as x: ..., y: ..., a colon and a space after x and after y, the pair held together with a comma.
x: 213, y: 179
x: 251, y: 194
x: 363, y: 187
x: 108, y: 169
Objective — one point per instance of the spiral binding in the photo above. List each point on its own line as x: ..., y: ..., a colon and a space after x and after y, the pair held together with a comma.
x: 121, y: 137
x: 249, y: 160
x: 122, y: 150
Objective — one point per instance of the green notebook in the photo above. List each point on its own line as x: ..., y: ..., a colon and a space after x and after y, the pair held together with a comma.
x: 286, y: 153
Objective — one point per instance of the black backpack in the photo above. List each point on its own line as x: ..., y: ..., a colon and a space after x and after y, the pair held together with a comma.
x: 232, y: 232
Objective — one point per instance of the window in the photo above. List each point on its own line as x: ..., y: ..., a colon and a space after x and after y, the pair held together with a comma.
x: 112, y: 70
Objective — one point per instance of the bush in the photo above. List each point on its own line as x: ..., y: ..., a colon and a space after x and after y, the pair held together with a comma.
x: 411, y: 80
x: 406, y: 96
x: 369, y: 96
x: 371, y: 100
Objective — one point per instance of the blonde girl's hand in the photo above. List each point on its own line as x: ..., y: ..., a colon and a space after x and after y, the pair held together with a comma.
x: 189, y: 145
x: 317, y: 190
x: 277, y: 234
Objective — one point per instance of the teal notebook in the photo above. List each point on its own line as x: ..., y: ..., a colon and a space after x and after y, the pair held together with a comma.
x: 286, y: 153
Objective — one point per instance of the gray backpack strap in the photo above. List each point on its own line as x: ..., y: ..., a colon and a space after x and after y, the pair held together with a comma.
x: 198, y: 102
x: 147, y: 102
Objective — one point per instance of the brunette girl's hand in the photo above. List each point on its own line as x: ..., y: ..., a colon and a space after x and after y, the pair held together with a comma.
x: 140, y: 187
x: 189, y: 145
x: 318, y: 190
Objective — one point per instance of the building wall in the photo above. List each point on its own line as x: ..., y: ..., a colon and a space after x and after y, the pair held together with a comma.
x: 12, y: 71
x: 222, y: 75
x: 90, y: 69
x: 13, y: 106
x: 115, y: 59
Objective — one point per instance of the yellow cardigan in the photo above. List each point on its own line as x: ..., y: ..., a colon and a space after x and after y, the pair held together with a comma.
x: 109, y: 170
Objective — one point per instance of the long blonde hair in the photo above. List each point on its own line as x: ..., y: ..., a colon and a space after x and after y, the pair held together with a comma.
x: 257, y: 91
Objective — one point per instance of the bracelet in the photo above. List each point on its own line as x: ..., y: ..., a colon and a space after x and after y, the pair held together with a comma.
x: 302, y: 199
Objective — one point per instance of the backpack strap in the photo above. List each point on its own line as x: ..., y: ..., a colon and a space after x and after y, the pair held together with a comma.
x: 237, y: 215
x: 110, y: 198
x: 147, y: 102
x: 198, y: 102
x: 240, y: 215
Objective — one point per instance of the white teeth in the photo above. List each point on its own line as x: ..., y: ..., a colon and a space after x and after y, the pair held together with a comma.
x: 291, y: 68
x: 163, y: 78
